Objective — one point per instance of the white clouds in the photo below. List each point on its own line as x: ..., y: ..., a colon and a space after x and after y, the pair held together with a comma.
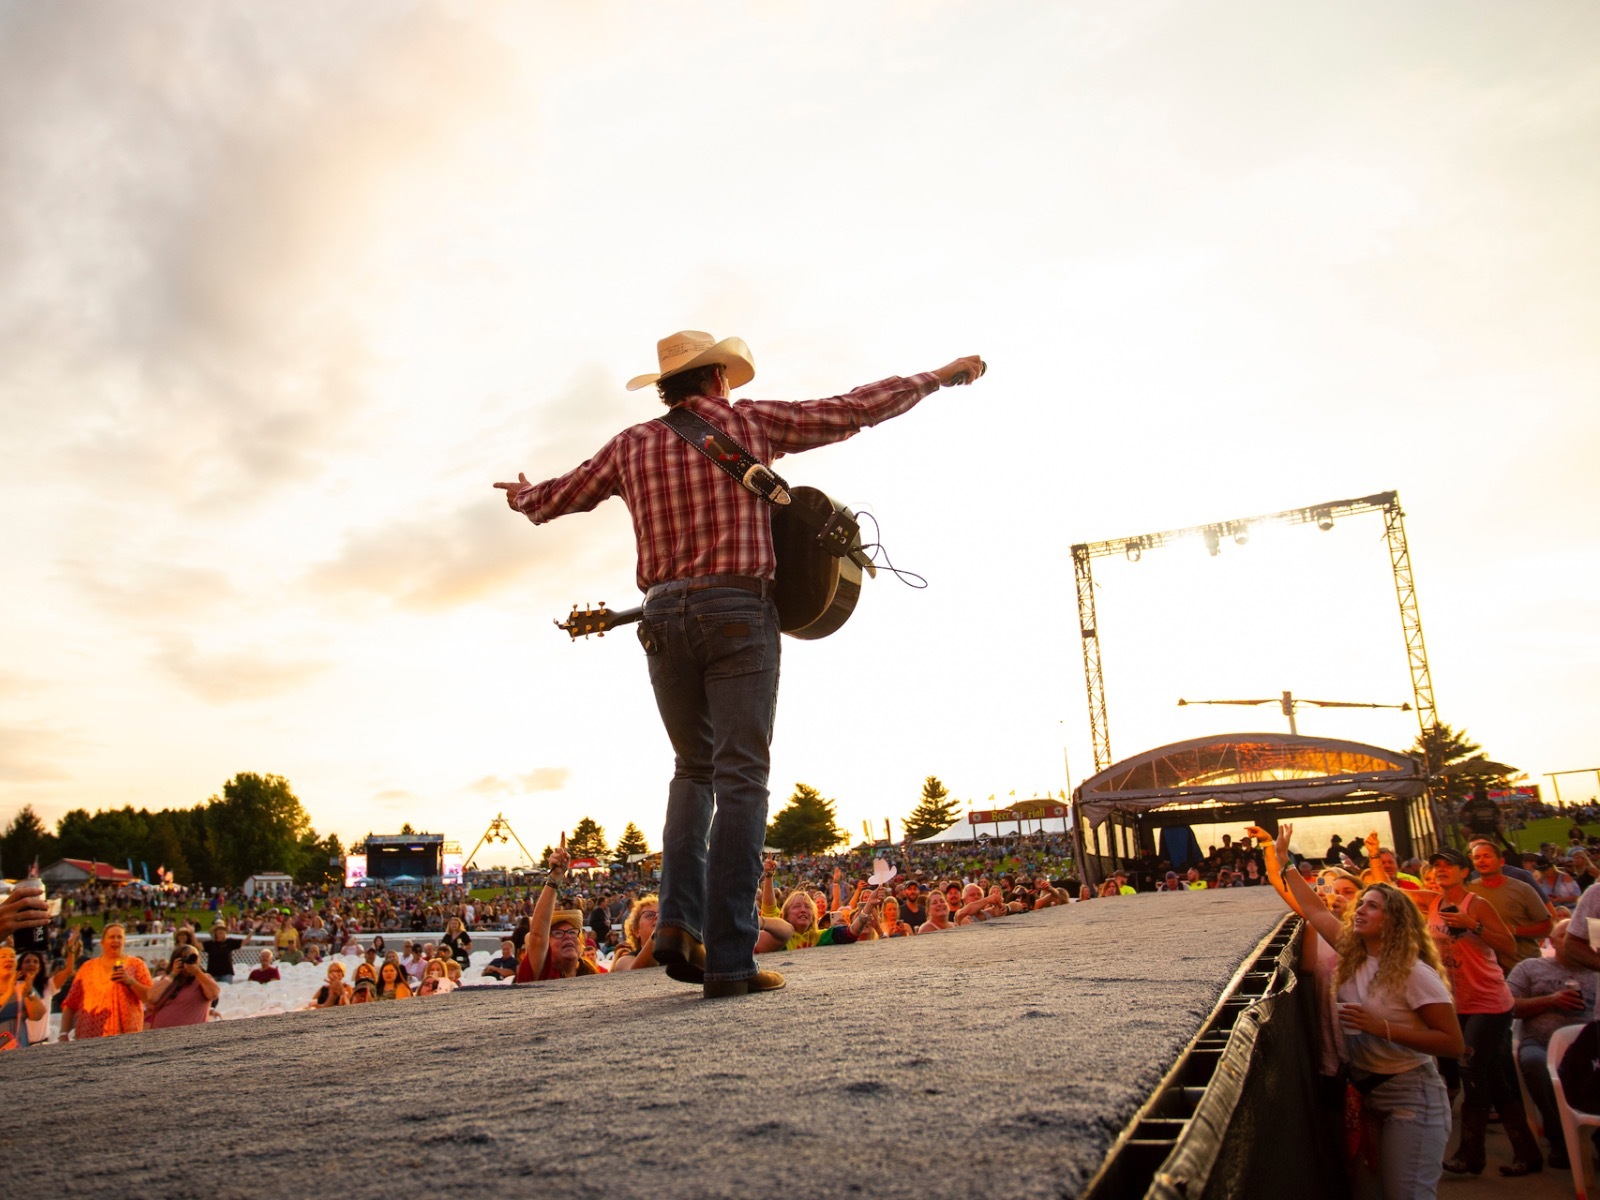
x: 433, y: 562
x: 540, y: 779
x: 234, y: 675
x: 287, y: 287
x: 188, y: 210
x: 37, y: 753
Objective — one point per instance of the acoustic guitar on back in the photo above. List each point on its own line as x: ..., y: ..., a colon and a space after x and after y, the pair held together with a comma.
x: 820, y: 561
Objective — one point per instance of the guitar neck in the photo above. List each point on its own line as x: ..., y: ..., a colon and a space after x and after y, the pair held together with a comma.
x: 597, y: 620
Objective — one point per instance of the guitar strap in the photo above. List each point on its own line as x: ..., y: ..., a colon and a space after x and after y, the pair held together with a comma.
x: 729, y: 456
x: 837, y: 533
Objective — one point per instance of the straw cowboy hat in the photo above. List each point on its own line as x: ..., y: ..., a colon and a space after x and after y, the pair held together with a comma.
x: 689, y: 348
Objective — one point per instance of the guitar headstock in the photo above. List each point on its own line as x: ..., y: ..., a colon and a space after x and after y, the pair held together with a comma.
x: 581, y: 623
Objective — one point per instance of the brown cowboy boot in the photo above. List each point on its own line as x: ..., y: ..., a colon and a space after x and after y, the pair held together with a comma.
x: 1468, y: 1159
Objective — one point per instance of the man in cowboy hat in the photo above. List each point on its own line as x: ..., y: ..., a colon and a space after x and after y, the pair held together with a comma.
x: 710, y: 626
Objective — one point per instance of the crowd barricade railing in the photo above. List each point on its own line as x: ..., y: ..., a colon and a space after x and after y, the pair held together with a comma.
x: 152, y: 947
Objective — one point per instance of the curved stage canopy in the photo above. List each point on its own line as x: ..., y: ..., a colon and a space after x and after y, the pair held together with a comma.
x: 1247, y: 768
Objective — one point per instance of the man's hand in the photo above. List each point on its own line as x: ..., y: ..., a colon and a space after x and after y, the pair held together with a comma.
x: 963, y: 370
x: 1568, y: 999
x: 559, y: 858
x: 24, y: 908
x: 511, y: 490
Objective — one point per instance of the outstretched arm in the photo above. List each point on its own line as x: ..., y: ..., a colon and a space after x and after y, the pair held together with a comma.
x: 1270, y: 860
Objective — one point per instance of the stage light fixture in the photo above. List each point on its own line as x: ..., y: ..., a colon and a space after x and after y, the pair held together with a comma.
x: 1241, y: 534
x: 1324, y: 520
x: 1133, y: 551
x: 1213, y: 541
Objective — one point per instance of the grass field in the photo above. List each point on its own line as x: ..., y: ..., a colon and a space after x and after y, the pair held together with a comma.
x: 1551, y: 829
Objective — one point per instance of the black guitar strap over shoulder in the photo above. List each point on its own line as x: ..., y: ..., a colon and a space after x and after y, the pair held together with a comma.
x: 837, y: 532
x: 751, y: 473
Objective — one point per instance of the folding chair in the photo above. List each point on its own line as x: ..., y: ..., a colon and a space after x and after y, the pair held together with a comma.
x: 1572, y: 1120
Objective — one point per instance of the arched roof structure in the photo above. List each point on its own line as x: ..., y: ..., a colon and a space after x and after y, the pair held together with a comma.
x: 1247, y: 768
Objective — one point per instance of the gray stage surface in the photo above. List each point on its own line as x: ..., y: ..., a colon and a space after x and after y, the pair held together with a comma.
x: 999, y: 1060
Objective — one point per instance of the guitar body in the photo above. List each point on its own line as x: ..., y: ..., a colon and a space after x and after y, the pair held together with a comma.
x: 816, y: 591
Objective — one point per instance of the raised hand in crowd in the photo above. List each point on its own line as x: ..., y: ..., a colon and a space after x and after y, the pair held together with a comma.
x: 24, y: 907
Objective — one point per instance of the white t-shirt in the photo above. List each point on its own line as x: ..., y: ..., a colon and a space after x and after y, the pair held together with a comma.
x: 39, y: 1031
x: 1373, y: 1052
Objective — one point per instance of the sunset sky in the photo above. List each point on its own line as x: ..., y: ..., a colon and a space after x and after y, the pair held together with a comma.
x: 288, y: 286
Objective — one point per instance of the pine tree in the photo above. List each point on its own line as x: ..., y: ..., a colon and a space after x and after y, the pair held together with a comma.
x: 631, y: 842
x: 1441, y: 747
x: 935, y: 812
x: 587, y: 840
x: 807, y: 825
x: 25, y: 839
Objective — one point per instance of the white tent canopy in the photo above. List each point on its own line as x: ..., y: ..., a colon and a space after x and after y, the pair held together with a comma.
x: 964, y: 831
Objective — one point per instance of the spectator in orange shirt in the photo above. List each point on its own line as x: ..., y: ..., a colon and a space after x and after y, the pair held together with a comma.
x: 108, y: 995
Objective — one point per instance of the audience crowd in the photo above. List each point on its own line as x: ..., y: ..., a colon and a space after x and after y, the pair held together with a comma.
x: 1425, y: 965
x: 1422, y: 968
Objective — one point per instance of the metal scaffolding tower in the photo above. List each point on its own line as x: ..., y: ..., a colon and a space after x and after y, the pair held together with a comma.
x: 1321, y: 515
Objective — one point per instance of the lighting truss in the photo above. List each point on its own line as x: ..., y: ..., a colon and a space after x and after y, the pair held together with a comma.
x: 1323, y: 516
x: 499, y: 831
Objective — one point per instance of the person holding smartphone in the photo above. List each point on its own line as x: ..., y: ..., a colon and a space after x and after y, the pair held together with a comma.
x: 1469, y: 934
x: 19, y: 1003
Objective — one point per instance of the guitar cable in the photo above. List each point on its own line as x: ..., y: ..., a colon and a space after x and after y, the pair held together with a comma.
x: 875, y: 547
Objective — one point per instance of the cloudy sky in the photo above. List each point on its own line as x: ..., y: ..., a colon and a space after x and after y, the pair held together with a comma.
x: 288, y: 286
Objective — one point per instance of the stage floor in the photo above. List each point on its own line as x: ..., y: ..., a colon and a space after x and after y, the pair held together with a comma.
x: 996, y: 1060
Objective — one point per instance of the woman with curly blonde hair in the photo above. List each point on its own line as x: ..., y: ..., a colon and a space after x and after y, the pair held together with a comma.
x: 1392, y: 1016
x: 638, y: 936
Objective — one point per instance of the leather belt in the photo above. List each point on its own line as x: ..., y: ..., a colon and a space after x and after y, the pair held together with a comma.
x: 743, y: 583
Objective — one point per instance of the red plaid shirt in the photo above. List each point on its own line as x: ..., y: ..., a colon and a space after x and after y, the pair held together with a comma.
x: 689, y: 517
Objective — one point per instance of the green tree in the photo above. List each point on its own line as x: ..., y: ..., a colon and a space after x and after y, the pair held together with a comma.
x: 166, y: 847
x: 28, y: 838
x: 587, y: 840
x: 933, y: 813
x: 632, y: 842
x: 77, y: 836
x: 1442, y: 747
x: 806, y: 825
x: 322, y: 859
x: 194, y: 838
x: 257, y: 824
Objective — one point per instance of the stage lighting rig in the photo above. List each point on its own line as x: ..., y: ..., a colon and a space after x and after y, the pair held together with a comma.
x: 1322, y: 516
x: 1289, y: 702
x: 499, y: 831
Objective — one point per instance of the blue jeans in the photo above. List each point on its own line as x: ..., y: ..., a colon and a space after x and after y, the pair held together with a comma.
x: 1489, y: 1079
x: 1414, y: 1110
x: 713, y: 657
x: 1531, y: 1060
